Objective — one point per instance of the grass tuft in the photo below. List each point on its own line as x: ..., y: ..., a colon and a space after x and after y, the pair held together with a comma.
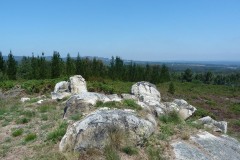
x: 58, y: 133
x: 111, y: 153
x: 17, y: 132
x: 130, y: 150
x: 172, y: 117
x: 30, y: 137
x: 23, y: 120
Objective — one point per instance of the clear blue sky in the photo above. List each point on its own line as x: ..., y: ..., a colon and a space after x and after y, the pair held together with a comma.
x: 132, y: 29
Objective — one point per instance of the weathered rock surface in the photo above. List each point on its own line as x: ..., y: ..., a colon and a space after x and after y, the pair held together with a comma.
x: 83, y: 102
x: 24, y: 99
x: 146, y: 92
x: 208, y: 122
x: 207, y: 146
x: 62, y: 86
x: 60, y: 95
x: 184, y: 109
x: 64, y: 89
x: 94, y: 130
x: 77, y: 84
x: 128, y: 96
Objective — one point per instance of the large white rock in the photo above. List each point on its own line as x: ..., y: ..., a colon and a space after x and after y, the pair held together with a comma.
x: 206, y: 146
x: 184, y: 109
x: 215, y: 125
x: 62, y: 86
x: 94, y: 130
x: 24, y: 99
x: 146, y: 92
x: 60, y: 95
x: 83, y: 102
x: 78, y: 84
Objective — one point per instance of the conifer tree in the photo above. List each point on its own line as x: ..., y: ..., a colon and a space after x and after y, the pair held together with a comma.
x: 69, y: 65
x: 187, y: 75
x: 164, y: 74
x: 55, y: 65
x: 171, y: 88
x: 24, y: 68
x: 11, y: 67
x: 2, y: 64
x: 43, y: 67
x: 78, y: 64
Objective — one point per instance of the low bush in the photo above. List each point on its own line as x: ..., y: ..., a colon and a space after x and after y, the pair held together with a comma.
x: 76, y: 116
x: 172, y: 117
x: 17, y: 132
x: 110, y: 153
x: 154, y: 153
x: 130, y: 150
x: 23, y: 120
x: 45, y: 108
x: 30, y: 137
x: 131, y: 104
x: 58, y: 133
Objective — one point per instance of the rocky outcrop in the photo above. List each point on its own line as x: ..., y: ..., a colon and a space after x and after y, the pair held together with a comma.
x: 205, y: 146
x: 146, y: 92
x: 95, y: 129
x: 76, y: 85
x: 208, y: 122
x: 184, y: 109
x: 83, y: 102
x: 24, y: 99
x: 62, y: 86
x: 128, y: 96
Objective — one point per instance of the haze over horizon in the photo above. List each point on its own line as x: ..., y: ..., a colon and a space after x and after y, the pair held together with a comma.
x: 136, y: 30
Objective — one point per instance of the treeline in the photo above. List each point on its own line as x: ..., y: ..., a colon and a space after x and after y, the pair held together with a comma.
x: 209, y: 78
x: 37, y: 67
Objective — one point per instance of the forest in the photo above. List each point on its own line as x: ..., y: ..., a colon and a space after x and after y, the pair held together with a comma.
x: 38, y: 68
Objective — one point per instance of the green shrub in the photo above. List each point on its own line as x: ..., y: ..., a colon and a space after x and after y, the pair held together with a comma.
x: 23, y: 120
x: 154, y: 153
x: 111, y: 153
x: 76, y: 116
x: 235, y: 108
x: 125, y: 104
x: 17, y: 132
x: 130, y: 150
x: 172, y: 117
x: 131, y: 104
x: 165, y: 132
x: 30, y: 137
x: 45, y: 108
x: 110, y: 104
x: 44, y: 117
x: 29, y: 113
x: 58, y: 133
x: 171, y: 88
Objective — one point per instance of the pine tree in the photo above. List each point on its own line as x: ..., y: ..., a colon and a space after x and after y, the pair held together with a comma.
x: 78, y: 65
x: 69, y: 65
x: 171, y: 88
x: 187, y: 75
x: 43, y: 67
x: 2, y: 64
x: 56, y: 65
x: 164, y: 74
x: 11, y: 67
x: 24, y: 68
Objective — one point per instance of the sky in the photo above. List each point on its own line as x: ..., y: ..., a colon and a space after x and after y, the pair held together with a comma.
x: 147, y: 30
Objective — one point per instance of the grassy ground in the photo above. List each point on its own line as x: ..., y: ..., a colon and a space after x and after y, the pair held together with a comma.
x: 29, y: 130
x: 219, y: 102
